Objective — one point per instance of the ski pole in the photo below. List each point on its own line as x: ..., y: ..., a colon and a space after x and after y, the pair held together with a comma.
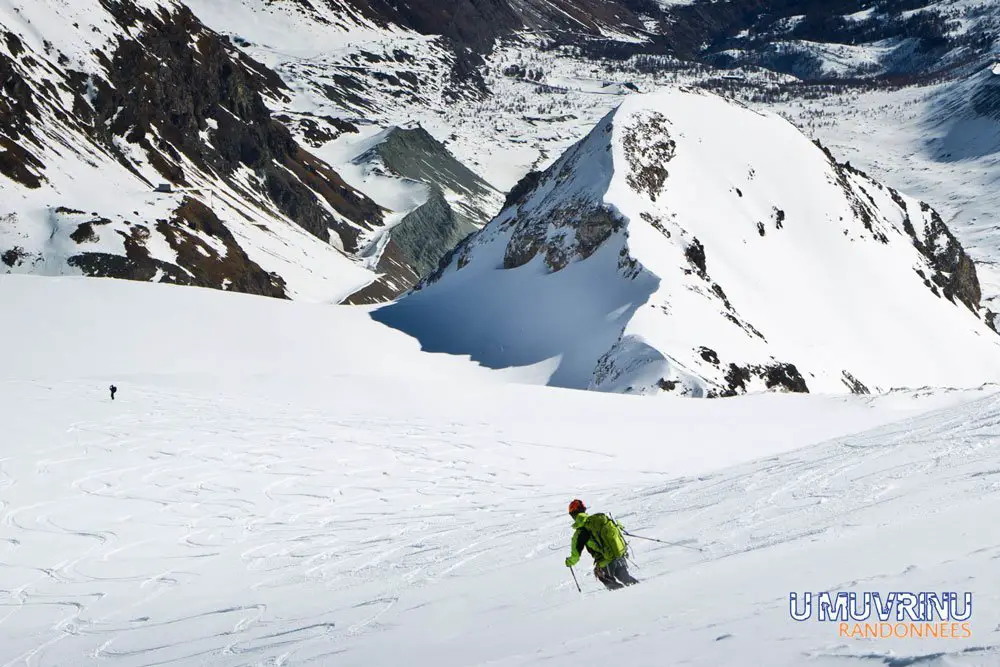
x: 672, y: 544
x: 574, y: 579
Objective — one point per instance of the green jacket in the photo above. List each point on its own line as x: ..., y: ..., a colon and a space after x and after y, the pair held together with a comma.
x: 600, y: 535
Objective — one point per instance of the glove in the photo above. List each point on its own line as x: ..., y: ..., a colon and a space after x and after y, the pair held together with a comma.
x: 570, y: 562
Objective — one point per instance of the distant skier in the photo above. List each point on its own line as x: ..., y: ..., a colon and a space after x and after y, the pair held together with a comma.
x: 113, y: 389
x: 602, y: 537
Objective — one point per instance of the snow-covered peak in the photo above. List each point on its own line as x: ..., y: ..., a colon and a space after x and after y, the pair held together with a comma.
x: 689, y: 244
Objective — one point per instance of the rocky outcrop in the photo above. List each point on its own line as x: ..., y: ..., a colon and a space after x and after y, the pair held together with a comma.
x: 415, y: 248
x: 951, y: 273
x: 428, y: 233
x: 570, y: 233
x: 165, y: 94
x: 395, y: 277
x: 17, y: 106
x: 955, y: 272
x: 206, y: 254
x: 648, y: 151
x: 774, y: 376
x: 458, y: 203
x: 416, y: 155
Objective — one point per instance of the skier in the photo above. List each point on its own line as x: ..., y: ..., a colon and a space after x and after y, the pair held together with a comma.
x: 113, y: 390
x: 602, y: 537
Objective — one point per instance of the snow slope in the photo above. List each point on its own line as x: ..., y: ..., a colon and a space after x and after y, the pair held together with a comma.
x: 691, y: 244
x: 928, y: 141
x: 374, y: 505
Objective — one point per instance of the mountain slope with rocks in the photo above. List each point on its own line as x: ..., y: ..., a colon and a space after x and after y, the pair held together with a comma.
x: 141, y: 144
x: 415, y: 155
x: 511, y: 101
x: 691, y: 245
x: 453, y: 203
x: 296, y: 197
x: 105, y: 106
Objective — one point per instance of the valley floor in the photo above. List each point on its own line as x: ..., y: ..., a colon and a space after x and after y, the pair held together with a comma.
x: 284, y: 484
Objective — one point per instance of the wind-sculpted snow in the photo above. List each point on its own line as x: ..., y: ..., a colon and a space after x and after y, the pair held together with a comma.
x: 313, y: 507
x: 691, y: 245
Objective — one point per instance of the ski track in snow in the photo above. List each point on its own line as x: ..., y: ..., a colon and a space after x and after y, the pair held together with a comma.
x: 191, y: 530
x: 286, y: 504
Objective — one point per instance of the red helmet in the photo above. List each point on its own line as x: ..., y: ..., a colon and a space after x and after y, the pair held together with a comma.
x: 577, y: 506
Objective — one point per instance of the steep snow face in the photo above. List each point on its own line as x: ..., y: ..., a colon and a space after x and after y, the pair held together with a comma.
x: 691, y: 245
x: 935, y: 142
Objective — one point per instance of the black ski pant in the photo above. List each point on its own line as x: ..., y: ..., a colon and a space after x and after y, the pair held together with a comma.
x: 615, y: 575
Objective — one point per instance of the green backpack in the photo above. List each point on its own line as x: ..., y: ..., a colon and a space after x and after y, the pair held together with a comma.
x: 606, y: 532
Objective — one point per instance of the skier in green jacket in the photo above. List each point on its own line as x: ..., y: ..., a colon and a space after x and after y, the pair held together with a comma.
x: 602, y: 537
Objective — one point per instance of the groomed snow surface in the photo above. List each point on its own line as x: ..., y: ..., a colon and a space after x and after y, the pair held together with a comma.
x: 290, y: 484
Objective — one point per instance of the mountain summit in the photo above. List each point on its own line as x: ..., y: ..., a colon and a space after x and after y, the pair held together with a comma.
x: 691, y: 245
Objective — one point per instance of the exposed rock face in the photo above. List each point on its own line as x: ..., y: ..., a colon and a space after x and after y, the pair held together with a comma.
x: 955, y: 270
x: 952, y: 272
x: 416, y: 155
x: 523, y: 187
x: 458, y: 203
x: 415, y: 249
x: 855, y: 385
x: 575, y: 233
x: 207, y: 255
x: 784, y: 376
x: 648, y: 150
x: 396, y: 278
x: 162, y: 87
x: 147, y: 95
x: 429, y: 232
x: 17, y: 106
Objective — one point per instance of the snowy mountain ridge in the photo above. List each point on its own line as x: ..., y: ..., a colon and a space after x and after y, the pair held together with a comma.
x: 691, y: 245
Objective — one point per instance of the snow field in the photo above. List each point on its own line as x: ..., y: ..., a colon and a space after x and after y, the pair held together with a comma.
x: 355, y: 502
